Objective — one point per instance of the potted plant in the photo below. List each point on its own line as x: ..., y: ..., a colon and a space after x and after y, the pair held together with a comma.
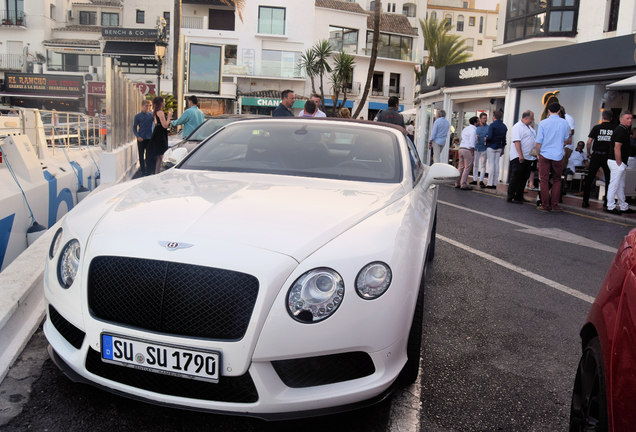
x: 18, y: 21
x: 7, y: 21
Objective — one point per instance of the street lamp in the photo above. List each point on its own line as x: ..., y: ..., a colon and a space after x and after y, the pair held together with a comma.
x: 160, y: 49
x: 160, y: 53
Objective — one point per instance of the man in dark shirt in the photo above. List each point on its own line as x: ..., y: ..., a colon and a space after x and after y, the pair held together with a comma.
x: 391, y: 115
x: 617, y: 162
x: 600, y: 136
x: 287, y: 102
x: 142, y: 128
x: 495, y: 143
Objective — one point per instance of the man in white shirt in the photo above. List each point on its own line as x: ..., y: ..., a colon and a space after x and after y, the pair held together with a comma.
x: 466, y: 151
x: 315, y: 99
x: 577, y: 159
x: 523, y: 139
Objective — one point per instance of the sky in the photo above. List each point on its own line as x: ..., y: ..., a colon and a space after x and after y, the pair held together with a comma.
x: 486, y: 4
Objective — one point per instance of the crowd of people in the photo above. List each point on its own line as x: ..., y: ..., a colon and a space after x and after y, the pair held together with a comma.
x: 548, y: 149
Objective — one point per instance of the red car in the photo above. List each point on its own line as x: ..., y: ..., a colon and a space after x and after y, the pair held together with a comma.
x: 604, y: 396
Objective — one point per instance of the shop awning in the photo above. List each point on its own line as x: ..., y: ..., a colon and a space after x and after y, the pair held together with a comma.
x: 118, y: 48
x: 627, y: 83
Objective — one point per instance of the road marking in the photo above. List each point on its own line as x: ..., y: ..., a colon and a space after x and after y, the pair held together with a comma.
x: 551, y: 233
x: 522, y: 271
x: 583, y: 215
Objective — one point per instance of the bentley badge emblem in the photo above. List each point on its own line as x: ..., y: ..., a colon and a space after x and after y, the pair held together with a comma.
x: 174, y: 245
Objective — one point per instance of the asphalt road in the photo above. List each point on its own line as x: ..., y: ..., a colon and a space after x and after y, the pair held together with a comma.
x: 503, y: 306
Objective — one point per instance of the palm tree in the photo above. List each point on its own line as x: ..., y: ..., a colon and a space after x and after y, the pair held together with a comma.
x: 322, y: 50
x: 308, y: 62
x: 341, y: 77
x: 443, y: 48
x: 377, y: 10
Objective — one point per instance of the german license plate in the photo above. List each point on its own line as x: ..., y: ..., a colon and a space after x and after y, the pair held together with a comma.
x: 160, y: 358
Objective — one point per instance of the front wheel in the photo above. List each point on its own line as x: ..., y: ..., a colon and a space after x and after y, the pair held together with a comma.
x: 431, y: 245
x: 411, y: 369
x: 588, y: 411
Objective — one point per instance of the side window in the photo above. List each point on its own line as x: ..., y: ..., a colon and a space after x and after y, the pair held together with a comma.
x: 416, y: 164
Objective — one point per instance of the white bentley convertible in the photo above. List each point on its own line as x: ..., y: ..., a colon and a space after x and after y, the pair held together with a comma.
x: 276, y: 271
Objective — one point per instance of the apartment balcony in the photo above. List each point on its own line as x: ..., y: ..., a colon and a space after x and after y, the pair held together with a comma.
x: 12, y: 18
x: 387, y: 91
x: 11, y: 62
x: 264, y: 69
x: 394, y: 54
x: 354, y: 89
x: 192, y: 22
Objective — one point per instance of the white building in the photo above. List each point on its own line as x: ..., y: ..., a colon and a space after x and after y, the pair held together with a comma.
x: 231, y: 64
x: 261, y: 52
x: 477, y: 26
x: 553, y: 46
x: 65, y: 38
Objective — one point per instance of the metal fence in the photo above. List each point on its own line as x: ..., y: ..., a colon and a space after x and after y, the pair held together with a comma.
x: 123, y: 101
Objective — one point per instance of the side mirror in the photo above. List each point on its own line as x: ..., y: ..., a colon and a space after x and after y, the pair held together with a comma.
x: 440, y: 173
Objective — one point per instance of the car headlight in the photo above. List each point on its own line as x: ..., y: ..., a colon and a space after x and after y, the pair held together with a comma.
x: 69, y: 263
x: 315, y: 295
x: 373, y: 280
x: 55, y: 244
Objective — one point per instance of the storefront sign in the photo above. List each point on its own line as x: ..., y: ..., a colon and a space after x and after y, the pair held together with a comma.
x: 145, y: 88
x: 96, y: 87
x: 129, y: 32
x: 473, y: 72
x: 476, y: 72
x: 74, y: 50
x: 268, y: 102
x: 60, y: 85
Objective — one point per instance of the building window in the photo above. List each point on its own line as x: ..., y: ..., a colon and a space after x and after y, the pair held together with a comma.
x: 391, y: 46
x: 528, y: 19
x: 434, y: 16
x: 470, y: 44
x: 372, y: 6
x: 465, y: 5
x: 460, y: 23
x: 377, y: 84
x: 88, y: 18
x: 52, y: 12
x: 612, y: 16
x: 230, y: 54
x: 221, y: 19
x: 394, y: 85
x: 110, y: 19
x: 471, y: 21
x: 271, y: 20
x: 166, y: 16
x: 343, y: 39
x: 280, y: 64
x: 409, y: 9
x: 71, y: 62
x: 480, y: 42
x: 449, y: 20
x: 141, y: 16
x: 481, y: 24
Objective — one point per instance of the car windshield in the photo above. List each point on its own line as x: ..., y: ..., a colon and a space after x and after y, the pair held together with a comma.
x: 208, y: 127
x: 323, y: 149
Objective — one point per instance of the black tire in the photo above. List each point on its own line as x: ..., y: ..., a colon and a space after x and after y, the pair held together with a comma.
x: 431, y: 246
x: 588, y: 411
x: 411, y: 369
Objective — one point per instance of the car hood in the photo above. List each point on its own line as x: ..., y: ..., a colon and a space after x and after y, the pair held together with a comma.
x: 293, y: 216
